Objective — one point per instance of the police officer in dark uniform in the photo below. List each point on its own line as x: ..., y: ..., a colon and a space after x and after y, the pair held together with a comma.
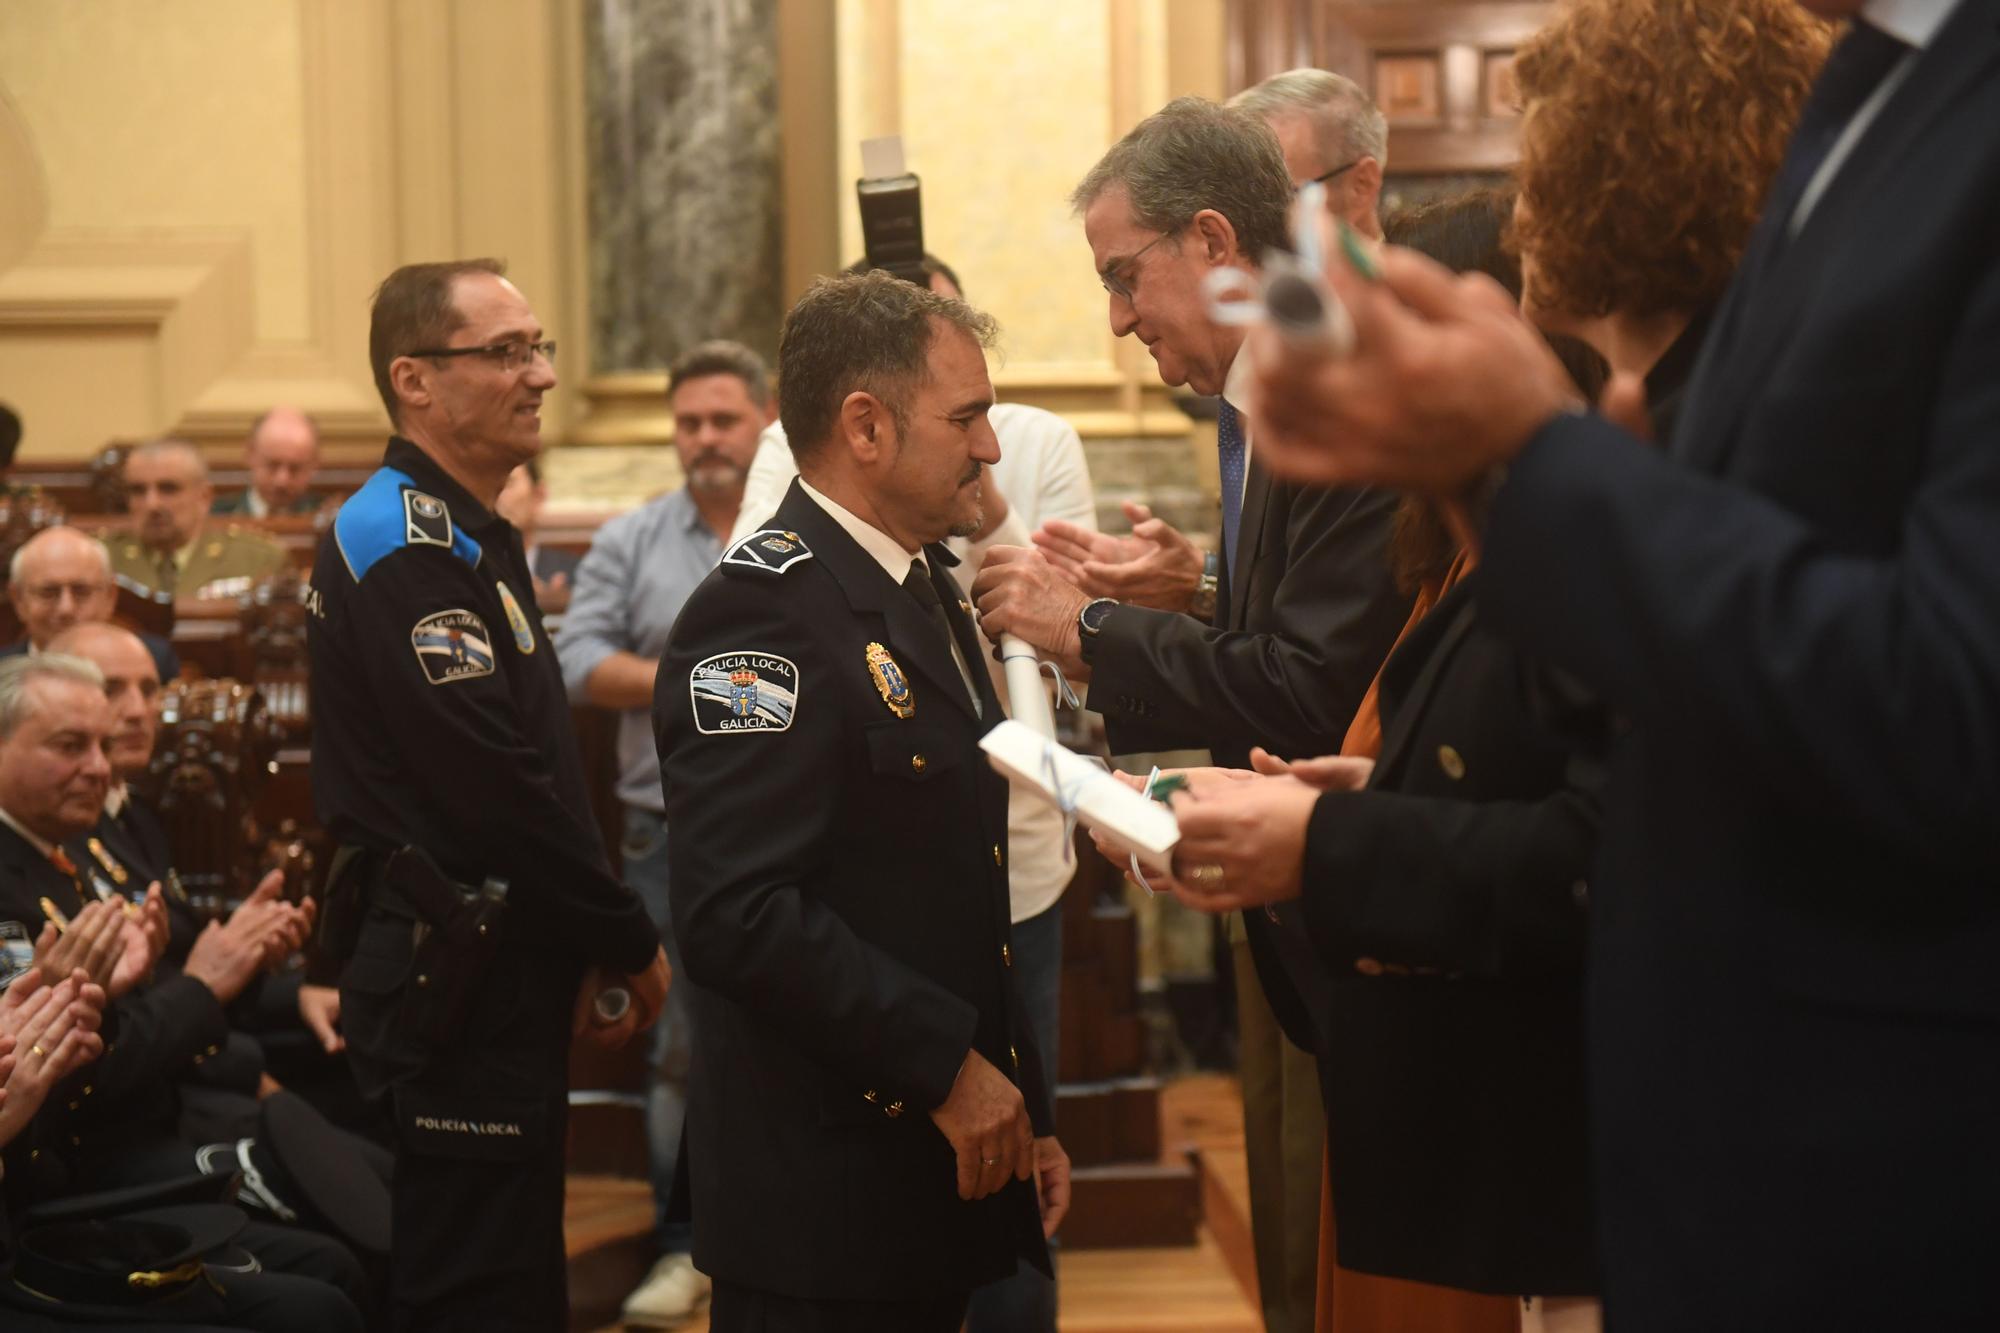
x: 866, y: 1131
x: 471, y: 903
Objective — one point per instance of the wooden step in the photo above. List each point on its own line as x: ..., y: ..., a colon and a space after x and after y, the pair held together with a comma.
x: 1117, y: 1120
x: 608, y: 1235
x: 1133, y: 1205
x: 607, y: 1135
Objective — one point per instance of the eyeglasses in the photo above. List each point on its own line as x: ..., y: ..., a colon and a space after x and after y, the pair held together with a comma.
x: 1116, y: 285
x: 509, y: 355
x: 48, y: 594
x: 1325, y: 176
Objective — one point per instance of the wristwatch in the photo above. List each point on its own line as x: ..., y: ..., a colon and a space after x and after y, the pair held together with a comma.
x: 1202, y: 604
x: 1090, y: 620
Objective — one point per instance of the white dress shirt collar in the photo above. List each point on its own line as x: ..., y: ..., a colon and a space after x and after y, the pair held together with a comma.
x: 883, y: 549
x: 34, y: 840
x: 1913, y: 21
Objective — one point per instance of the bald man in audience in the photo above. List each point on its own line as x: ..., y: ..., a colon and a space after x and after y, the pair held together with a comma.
x: 282, y: 454
x: 62, y: 577
x: 175, y: 547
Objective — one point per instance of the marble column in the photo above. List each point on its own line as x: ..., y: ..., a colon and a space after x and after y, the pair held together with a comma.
x: 683, y: 178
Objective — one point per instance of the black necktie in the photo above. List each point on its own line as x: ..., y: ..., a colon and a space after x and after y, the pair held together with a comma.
x: 1853, y: 72
x: 918, y: 585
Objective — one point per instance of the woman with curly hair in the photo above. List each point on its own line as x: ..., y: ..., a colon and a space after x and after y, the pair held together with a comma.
x: 1651, y: 131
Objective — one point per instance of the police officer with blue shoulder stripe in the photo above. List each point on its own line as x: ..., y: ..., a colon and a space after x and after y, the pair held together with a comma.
x: 471, y: 910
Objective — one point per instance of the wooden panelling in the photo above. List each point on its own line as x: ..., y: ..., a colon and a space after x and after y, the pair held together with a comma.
x: 1442, y: 72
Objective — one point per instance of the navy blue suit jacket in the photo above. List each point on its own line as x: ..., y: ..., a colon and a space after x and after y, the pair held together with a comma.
x: 1794, y: 993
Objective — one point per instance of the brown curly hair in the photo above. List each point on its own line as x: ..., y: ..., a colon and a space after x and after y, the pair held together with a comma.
x: 1650, y: 133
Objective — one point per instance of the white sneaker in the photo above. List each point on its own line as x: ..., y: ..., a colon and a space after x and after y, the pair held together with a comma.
x: 672, y: 1292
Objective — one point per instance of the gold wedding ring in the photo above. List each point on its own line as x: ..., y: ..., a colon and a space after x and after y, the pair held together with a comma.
x: 1206, y: 877
x: 38, y: 1050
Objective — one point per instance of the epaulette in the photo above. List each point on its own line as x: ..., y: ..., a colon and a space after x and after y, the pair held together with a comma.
x: 389, y: 513
x: 238, y: 532
x: 772, y: 551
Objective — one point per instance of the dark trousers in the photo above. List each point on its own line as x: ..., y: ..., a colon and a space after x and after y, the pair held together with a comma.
x: 477, y: 1202
x: 672, y: 1037
x: 1026, y: 1302
x: 738, y: 1309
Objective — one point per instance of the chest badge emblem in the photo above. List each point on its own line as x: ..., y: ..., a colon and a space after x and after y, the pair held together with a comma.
x: 524, y: 634
x: 891, y: 682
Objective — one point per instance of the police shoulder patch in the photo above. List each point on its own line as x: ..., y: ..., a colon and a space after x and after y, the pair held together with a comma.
x: 452, y: 645
x: 17, y: 950
x: 772, y: 551
x: 425, y: 519
x: 743, y: 691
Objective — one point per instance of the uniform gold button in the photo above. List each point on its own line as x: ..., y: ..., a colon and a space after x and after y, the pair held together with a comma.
x: 1006, y: 956
x: 918, y: 763
x: 870, y: 1095
x: 1452, y: 762
x: 1015, y: 1056
x: 1368, y: 967
x: 996, y: 853
x: 893, y: 1109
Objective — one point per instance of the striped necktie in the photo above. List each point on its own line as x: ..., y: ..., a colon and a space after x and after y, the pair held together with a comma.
x: 1229, y: 447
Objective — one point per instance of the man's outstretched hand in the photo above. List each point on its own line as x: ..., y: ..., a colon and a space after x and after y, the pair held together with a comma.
x: 1156, y: 566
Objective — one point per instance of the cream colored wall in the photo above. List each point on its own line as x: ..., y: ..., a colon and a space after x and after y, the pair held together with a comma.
x: 223, y: 182
x: 200, y: 194
x: 1003, y: 105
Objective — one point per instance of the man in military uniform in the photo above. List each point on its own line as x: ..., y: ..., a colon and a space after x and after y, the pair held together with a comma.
x: 176, y: 548
x: 867, y: 1123
x: 445, y: 764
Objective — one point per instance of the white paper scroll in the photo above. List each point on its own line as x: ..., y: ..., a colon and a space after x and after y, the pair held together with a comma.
x: 1024, y: 748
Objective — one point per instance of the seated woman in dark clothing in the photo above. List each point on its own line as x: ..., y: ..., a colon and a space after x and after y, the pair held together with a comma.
x: 1447, y: 881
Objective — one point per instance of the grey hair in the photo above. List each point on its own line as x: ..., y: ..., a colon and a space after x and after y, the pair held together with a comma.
x: 17, y: 673
x: 171, y: 446
x: 1345, y: 120
x: 1192, y: 155
x: 18, y: 561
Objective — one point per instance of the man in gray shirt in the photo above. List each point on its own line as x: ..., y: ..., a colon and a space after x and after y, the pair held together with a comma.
x: 629, y: 589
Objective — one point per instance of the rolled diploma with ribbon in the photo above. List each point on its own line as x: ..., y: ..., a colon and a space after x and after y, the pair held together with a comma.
x: 1026, y: 700
x: 1024, y: 749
